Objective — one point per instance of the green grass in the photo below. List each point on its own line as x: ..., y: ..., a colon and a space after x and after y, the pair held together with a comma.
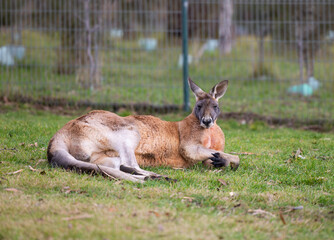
x: 197, y: 206
x: 131, y: 75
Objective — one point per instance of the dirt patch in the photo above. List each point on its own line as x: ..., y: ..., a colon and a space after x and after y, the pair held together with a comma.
x: 54, y: 103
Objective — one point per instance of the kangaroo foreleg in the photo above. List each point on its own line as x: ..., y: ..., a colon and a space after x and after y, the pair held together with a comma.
x: 198, y: 153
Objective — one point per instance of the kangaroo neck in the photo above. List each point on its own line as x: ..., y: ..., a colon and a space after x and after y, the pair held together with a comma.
x: 191, y: 123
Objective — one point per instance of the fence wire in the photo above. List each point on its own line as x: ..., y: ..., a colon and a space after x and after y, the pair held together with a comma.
x: 277, y: 54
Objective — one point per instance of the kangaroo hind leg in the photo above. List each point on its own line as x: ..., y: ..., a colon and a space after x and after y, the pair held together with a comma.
x: 126, y: 144
x: 111, y: 166
x: 129, y: 164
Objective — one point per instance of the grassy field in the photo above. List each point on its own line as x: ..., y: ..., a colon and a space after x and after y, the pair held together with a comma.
x: 131, y: 75
x: 273, y: 195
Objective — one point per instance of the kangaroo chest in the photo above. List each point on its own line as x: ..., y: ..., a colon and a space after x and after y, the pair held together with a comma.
x: 213, y: 139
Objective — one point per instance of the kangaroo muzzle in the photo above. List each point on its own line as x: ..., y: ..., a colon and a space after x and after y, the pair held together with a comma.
x: 207, y: 122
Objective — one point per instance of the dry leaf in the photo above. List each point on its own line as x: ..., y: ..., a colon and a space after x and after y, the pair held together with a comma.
x: 295, y: 156
x: 83, y: 216
x: 282, y: 218
x: 12, y: 190
x: 67, y: 190
x: 16, y: 172
x: 222, y: 182
x: 298, y: 154
x: 167, y: 214
x: 155, y: 213
x: 33, y: 144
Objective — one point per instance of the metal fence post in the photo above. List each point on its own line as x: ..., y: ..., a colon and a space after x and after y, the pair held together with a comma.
x: 186, y: 104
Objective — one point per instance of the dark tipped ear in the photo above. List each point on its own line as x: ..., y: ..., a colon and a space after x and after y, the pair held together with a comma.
x: 219, y: 90
x: 198, y: 92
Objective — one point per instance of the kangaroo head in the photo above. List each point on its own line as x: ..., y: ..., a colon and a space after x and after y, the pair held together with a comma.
x: 206, y: 108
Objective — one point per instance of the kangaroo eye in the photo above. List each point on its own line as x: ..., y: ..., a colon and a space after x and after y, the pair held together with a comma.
x: 215, y: 106
x: 199, y: 107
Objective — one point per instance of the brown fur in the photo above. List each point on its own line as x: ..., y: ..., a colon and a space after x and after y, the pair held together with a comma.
x: 102, y: 137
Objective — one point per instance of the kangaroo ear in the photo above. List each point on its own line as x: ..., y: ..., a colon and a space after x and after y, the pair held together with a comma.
x: 198, y: 92
x: 219, y: 90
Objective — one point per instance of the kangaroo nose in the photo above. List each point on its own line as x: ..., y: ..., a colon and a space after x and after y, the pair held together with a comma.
x: 207, y: 121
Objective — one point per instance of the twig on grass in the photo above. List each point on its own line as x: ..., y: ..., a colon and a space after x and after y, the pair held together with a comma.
x: 243, y: 153
x: 12, y: 190
x: 39, y: 161
x: 260, y: 212
x: 282, y: 217
x: 32, y: 169
x: 16, y: 172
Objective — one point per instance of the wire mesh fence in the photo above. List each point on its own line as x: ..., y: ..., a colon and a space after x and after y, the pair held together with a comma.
x: 277, y: 54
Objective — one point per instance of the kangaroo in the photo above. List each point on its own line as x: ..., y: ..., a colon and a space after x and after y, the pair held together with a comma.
x: 104, y: 142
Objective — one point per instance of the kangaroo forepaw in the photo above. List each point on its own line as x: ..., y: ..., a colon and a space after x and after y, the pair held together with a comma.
x: 217, y: 160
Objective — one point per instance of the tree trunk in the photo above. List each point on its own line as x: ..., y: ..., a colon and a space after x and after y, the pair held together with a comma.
x: 225, y: 26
